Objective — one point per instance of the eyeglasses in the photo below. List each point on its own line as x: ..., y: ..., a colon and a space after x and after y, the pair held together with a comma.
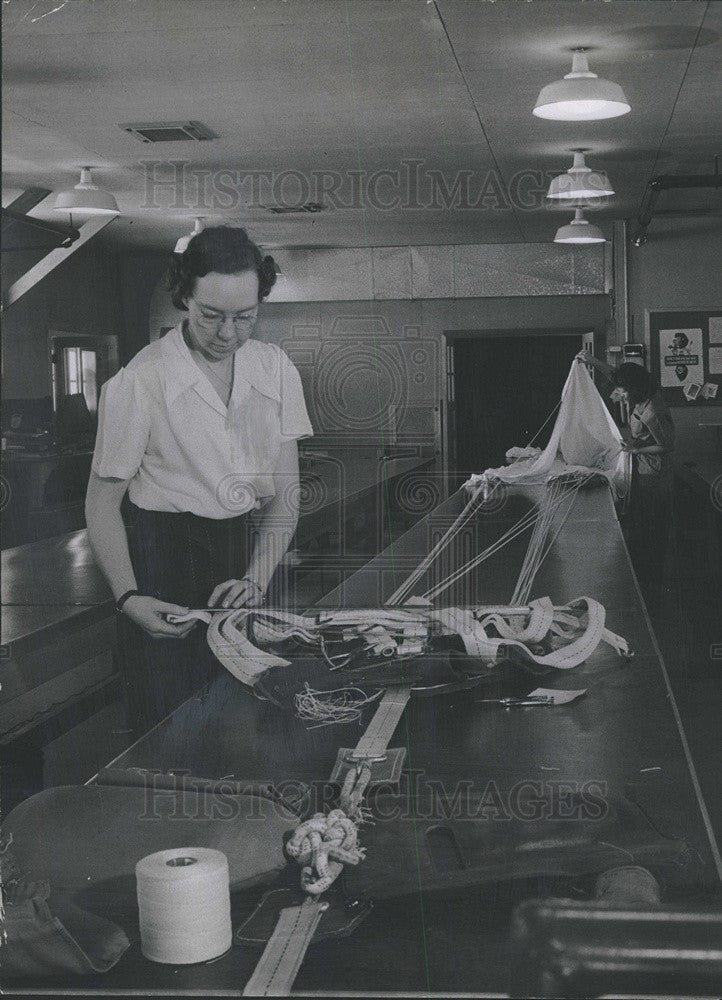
x: 214, y: 321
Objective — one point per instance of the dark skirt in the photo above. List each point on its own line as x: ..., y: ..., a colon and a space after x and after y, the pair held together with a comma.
x: 178, y: 558
x: 648, y: 527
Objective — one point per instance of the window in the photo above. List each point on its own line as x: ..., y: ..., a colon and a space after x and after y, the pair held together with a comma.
x: 80, y: 372
x: 80, y: 366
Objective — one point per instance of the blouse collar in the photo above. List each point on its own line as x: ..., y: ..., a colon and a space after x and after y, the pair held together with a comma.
x: 181, y: 372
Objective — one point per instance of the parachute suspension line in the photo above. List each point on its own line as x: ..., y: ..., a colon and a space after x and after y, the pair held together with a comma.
x: 547, y: 510
x: 521, y: 526
x: 560, y: 491
x: 558, y: 494
x: 572, y: 495
x: 403, y: 591
x: 400, y: 594
x: 533, y: 439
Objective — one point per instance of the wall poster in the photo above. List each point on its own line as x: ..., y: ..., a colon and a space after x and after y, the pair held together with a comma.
x: 686, y: 356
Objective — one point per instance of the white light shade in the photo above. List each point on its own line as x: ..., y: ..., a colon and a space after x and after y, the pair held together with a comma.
x: 580, y: 182
x: 182, y: 244
x: 581, y: 96
x: 86, y: 197
x: 579, y: 231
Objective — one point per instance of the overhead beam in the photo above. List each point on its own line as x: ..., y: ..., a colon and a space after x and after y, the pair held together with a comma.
x: 69, y: 233
x: 26, y: 201
x: 22, y: 247
x: 56, y: 257
x: 668, y: 182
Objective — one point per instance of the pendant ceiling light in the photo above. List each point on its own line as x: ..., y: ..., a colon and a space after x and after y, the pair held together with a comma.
x: 579, y: 231
x: 182, y: 244
x: 86, y: 197
x: 579, y: 182
x: 581, y: 95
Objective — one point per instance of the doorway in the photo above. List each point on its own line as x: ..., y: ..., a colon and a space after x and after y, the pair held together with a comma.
x: 503, y: 385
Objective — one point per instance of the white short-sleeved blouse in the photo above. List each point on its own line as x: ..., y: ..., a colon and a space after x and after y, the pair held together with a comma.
x: 162, y: 425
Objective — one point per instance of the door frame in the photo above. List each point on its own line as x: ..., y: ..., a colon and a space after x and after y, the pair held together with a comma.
x: 448, y: 409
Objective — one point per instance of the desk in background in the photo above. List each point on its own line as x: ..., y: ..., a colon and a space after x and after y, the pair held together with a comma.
x: 46, y: 494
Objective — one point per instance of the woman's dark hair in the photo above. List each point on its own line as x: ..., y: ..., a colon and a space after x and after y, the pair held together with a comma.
x: 636, y: 380
x: 222, y: 249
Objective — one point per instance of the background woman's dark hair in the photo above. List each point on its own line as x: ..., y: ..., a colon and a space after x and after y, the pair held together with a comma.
x: 225, y: 250
x: 636, y: 380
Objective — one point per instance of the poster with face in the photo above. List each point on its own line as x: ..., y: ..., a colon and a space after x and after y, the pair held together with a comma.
x: 680, y: 352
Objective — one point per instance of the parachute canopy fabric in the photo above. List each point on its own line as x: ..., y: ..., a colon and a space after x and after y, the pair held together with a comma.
x: 584, y: 439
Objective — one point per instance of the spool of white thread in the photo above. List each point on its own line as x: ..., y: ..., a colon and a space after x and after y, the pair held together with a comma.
x: 185, y: 905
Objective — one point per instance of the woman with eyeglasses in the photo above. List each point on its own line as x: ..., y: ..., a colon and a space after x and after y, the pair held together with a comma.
x: 200, y: 429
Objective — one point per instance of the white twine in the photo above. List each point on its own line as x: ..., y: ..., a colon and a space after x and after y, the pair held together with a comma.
x: 329, y: 708
x: 184, y: 905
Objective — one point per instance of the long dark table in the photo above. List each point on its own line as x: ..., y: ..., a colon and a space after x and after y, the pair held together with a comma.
x: 58, y: 616
x: 625, y: 734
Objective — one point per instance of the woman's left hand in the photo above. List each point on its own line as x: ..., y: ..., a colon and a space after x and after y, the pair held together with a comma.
x: 245, y: 593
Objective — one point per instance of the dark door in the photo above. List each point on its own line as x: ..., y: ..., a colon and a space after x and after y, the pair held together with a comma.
x: 505, y: 388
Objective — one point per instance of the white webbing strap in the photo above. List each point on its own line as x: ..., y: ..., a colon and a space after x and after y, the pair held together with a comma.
x: 228, y: 641
x: 540, y: 622
x: 478, y: 643
x: 618, y: 644
x: 580, y: 648
x: 388, y: 617
x: 374, y: 742
x: 282, y: 957
x: 464, y: 624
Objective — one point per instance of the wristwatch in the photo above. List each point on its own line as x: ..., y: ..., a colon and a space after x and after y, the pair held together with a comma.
x: 124, y: 597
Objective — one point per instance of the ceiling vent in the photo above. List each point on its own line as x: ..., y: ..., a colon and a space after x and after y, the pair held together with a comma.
x: 310, y: 207
x: 168, y: 131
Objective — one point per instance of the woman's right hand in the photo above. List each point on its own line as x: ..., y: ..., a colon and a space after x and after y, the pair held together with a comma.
x: 148, y: 613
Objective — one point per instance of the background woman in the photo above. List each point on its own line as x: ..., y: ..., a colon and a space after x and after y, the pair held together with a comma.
x: 650, y: 441
x: 199, y: 429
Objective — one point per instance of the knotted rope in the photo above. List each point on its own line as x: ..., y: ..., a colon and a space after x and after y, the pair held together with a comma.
x: 322, y: 846
x: 325, y: 843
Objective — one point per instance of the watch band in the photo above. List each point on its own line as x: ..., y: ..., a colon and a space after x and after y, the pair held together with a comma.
x: 124, y: 597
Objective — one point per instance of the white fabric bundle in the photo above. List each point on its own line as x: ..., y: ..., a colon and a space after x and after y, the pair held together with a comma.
x: 584, y: 439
